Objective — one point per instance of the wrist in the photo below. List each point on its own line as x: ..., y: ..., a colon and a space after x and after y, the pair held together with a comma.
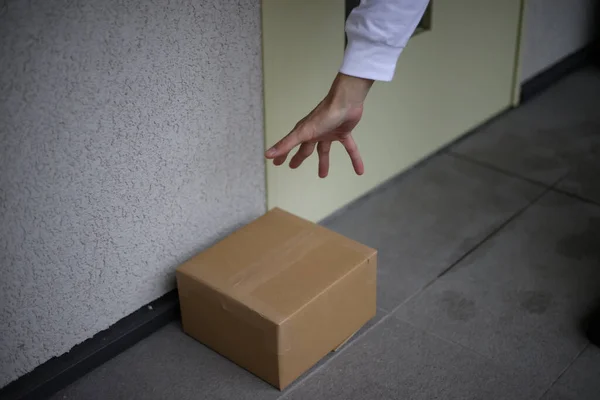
x: 349, y: 91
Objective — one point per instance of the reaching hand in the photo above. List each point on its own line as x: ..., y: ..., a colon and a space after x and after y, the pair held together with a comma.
x: 332, y: 120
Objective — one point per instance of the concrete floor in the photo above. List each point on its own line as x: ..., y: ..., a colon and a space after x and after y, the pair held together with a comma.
x: 489, y: 261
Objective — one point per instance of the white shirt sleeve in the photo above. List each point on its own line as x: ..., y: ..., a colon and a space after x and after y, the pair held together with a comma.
x: 377, y: 32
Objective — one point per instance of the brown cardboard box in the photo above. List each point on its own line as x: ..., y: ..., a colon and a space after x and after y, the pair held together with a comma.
x: 278, y: 295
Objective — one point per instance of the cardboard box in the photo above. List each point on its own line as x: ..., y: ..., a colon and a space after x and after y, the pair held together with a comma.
x: 278, y: 295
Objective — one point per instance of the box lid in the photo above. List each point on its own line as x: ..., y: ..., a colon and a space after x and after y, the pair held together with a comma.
x: 277, y: 264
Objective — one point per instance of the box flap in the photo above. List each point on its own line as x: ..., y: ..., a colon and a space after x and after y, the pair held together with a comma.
x: 277, y: 264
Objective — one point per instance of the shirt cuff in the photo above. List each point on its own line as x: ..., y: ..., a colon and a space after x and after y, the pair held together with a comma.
x: 368, y: 60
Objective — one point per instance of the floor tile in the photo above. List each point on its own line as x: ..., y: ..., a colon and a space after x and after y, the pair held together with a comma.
x: 581, y: 381
x: 427, y: 220
x: 545, y: 138
x: 520, y: 298
x: 583, y: 179
x: 103, y: 384
x: 396, y: 361
x: 172, y: 365
x: 169, y: 365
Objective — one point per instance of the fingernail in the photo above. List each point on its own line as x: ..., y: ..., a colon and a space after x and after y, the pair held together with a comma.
x: 271, y: 151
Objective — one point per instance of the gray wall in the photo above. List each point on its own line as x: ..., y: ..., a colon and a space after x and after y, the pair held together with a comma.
x: 130, y: 137
x: 554, y: 29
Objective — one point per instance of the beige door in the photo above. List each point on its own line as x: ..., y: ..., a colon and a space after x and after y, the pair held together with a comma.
x: 448, y: 80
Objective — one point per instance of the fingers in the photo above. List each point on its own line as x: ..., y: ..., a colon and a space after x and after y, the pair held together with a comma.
x: 352, y: 149
x: 305, y: 150
x: 281, y: 149
x: 323, y: 149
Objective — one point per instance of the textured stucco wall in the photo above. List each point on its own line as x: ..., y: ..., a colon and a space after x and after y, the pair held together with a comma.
x: 554, y: 29
x: 130, y: 137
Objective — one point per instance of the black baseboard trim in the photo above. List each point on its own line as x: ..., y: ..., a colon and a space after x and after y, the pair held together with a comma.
x: 542, y: 81
x: 59, y: 372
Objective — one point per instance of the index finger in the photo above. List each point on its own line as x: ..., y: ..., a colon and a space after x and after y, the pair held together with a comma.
x: 291, y: 140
